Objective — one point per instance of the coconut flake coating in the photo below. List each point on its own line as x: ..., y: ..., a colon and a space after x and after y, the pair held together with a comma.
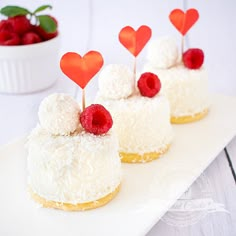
x: 115, y: 82
x: 142, y: 124
x: 186, y: 89
x: 73, y: 169
x: 59, y: 114
x: 162, y: 53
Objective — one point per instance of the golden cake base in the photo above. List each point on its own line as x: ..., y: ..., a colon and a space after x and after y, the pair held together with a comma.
x: 75, y: 207
x: 188, y: 119
x: 146, y: 157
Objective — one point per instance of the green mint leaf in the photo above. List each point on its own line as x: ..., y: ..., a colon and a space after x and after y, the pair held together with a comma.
x: 11, y: 11
x: 47, y: 23
x: 42, y: 8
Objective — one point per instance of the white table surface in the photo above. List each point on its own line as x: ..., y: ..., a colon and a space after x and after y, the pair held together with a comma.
x: 94, y: 25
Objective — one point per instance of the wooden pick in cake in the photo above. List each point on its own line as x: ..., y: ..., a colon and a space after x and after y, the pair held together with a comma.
x: 86, y: 142
x: 183, y: 21
x: 141, y: 116
x: 135, y: 41
x: 185, y: 82
x: 81, y: 69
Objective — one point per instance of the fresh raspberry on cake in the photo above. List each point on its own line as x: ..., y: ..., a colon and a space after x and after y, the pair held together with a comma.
x: 193, y: 58
x: 30, y: 38
x: 20, y: 24
x: 96, y: 119
x: 9, y: 38
x: 149, y: 84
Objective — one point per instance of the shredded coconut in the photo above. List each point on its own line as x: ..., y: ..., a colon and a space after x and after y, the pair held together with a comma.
x: 73, y: 169
x: 162, y: 53
x: 59, y: 114
x: 186, y: 90
x: 116, y: 82
x: 142, y: 124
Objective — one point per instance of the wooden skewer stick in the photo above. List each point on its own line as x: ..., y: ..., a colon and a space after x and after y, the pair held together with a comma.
x: 83, y: 99
x: 182, y: 45
x: 134, y: 79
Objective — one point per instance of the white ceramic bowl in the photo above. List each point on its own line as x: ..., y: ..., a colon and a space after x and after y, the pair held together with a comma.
x: 29, y: 68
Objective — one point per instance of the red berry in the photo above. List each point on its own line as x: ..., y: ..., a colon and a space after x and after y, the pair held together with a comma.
x: 5, y: 25
x: 20, y: 24
x: 149, y: 84
x: 96, y: 119
x: 45, y: 35
x: 193, y: 58
x: 9, y: 38
x: 30, y: 38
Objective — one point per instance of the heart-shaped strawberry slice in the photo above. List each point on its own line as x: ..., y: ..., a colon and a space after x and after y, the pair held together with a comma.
x: 81, y: 69
x: 183, y: 21
x: 133, y: 40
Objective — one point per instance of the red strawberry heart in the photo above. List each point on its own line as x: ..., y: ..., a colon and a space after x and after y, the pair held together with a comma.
x: 81, y: 69
x: 133, y: 40
x: 183, y: 21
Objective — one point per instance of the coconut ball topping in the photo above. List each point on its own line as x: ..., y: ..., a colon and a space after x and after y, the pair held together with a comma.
x: 116, y: 82
x: 163, y: 53
x: 59, y: 114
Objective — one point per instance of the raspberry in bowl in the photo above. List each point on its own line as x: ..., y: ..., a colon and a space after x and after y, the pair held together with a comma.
x: 29, y: 46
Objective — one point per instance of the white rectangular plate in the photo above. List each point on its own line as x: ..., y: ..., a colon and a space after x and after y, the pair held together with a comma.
x: 148, y: 190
